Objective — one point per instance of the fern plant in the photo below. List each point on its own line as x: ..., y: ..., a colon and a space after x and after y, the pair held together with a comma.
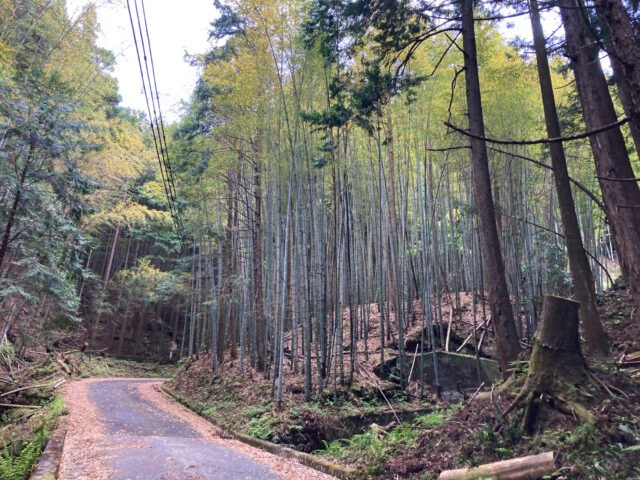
x: 18, y: 466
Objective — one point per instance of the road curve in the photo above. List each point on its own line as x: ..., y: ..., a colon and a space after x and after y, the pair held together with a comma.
x: 121, y: 429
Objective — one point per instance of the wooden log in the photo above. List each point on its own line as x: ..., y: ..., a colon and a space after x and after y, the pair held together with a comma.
x: 524, y: 468
x: 40, y: 385
x: 13, y: 405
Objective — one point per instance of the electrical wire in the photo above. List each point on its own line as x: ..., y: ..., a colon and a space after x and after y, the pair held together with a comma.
x: 150, y: 90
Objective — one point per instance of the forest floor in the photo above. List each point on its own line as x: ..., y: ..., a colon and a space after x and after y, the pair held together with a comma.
x: 405, y: 437
x: 30, y: 399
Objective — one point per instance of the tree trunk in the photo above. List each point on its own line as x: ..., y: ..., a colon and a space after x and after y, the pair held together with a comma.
x: 626, y: 50
x: 578, y: 262
x: 112, y: 253
x: 142, y: 324
x: 225, y: 284
x: 392, y: 214
x: 626, y: 100
x: 12, y: 216
x: 621, y: 197
x: 105, y: 282
x: 123, y: 328
x: 500, y: 305
x: 258, y: 299
x: 233, y: 316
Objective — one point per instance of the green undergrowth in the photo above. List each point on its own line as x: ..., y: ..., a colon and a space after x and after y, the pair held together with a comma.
x: 587, y: 451
x: 24, y: 435
x: 241, y: 403
x: 612, y: 452
x: 372, y: 448
x: 84, y: 366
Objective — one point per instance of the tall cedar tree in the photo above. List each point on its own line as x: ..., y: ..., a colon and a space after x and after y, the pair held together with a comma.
x: 578, y: 262
x: 615, y: 175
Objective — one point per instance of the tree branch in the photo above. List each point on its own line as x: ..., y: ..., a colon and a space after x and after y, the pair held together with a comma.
x: 613, y: 179
x: 589, y: 193
x: 540, y: 140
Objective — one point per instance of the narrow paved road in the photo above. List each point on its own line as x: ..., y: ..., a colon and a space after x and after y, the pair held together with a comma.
x: 126, y: 429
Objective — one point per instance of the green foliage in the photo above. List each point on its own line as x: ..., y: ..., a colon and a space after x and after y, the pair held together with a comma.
x: 91, y: 366
x: 556, y: 273
x: 502, y: 444
x: 263, y: 427
x: 7, y: 353
x: 519, y: 367
x: 19, y: 456
x: 373, y: 449
x: 599, y: 452
x: 371, y: 405
x: 431, y: 420
x: 255, y: 411
x: 17, y: 465
x: 64, y: 143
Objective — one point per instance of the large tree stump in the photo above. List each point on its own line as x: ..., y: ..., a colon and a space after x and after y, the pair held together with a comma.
x: 557, y: 372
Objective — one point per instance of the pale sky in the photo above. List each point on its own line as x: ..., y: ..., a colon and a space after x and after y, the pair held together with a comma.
x: 175, y: 27
x: 179, y: 26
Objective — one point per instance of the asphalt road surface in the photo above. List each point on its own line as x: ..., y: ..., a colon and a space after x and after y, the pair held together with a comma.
x: 145, y: 442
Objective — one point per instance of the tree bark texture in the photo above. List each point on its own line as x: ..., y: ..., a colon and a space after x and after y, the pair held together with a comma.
x: 557, y: 372
x: 258, y: 299
x: 500, y: 305
x: 622, y: 198
x: 578, y: 262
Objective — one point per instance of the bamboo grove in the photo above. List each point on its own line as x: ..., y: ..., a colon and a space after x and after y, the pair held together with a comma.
x: 330, y: 184
x: 321, y: 219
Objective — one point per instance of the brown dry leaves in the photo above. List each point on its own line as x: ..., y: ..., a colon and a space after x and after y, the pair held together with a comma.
x: 286, y: 469
x: 83, y: 452
x: 86, y: 449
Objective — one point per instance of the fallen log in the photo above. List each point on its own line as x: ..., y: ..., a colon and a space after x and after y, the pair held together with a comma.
x: 40, y: 385
x: 524, y: 468
x: 13, y: 405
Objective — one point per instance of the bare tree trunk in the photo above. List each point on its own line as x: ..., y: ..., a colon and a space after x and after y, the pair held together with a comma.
x: 142, y: 324
x: 578, y: 262
x: 12, y: 216
x: 225, y: 285
x: 500, y: 305
x: 112, y: 253
x: 626, y: 100
x: 626, y: 52
x: 621, y: 196
x: 392, y: 212
x: 258, y: 299
x: 105, y: 282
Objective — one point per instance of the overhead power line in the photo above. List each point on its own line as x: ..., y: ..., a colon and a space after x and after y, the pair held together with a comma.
x: 142, y: 43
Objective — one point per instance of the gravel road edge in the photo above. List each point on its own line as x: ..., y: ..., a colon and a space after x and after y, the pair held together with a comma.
x: 305, y: 459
